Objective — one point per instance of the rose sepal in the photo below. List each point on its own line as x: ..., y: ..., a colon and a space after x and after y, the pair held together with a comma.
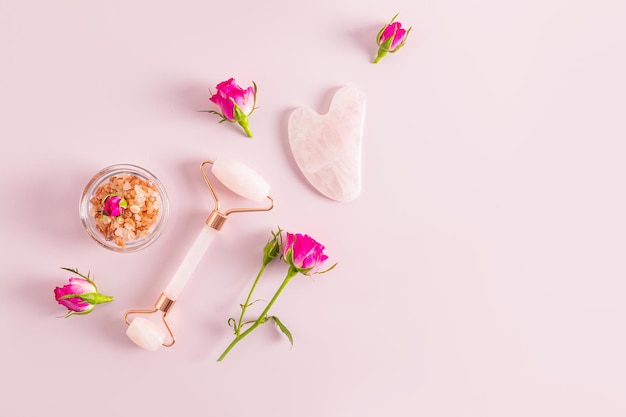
x: 92, y: 298
x: 241, y: 118
x: 87, y: 277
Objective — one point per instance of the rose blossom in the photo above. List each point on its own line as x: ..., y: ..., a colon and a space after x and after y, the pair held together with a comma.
x: 390, y: 38
x: 303, y: 253
x: 80, y: 295
x: 235, y: 103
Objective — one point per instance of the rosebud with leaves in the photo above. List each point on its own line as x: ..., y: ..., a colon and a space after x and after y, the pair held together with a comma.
x: 235, y: 104
x: 302, y: 254
x: 391, y: 38
x: 80, y: 295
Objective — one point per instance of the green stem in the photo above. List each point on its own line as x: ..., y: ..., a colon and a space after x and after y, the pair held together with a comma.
x: 244, y: 125
x: 247, y: 303
x: 381, y: 54
x: 290, y: 274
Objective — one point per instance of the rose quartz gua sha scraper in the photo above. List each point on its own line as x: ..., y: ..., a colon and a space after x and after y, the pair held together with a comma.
x: 239, y: 179
x: 327, y: 148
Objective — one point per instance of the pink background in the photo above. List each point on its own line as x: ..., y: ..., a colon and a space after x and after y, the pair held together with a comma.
x: 481, y: 271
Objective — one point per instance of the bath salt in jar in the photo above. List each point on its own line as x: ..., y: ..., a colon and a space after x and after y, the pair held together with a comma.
x: 124, y: 208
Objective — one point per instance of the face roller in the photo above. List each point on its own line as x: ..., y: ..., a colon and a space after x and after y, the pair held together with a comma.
x: 241, y: 180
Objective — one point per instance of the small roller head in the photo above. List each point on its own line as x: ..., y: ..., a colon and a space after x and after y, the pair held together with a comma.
x: 145, y: 333
x: 241, y: 179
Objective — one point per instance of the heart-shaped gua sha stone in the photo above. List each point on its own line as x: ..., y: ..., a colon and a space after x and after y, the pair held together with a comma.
x: 327, y: 147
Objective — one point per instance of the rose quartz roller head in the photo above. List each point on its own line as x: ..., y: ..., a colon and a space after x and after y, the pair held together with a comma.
x: 239, y: 179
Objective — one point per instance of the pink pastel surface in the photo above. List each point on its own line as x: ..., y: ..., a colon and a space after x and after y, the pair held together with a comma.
x: 481, y: 270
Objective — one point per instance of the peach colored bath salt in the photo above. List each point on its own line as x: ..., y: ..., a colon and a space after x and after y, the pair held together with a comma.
x: 138, y: 220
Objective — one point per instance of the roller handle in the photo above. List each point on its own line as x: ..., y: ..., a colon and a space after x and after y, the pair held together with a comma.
x: 190, y: 262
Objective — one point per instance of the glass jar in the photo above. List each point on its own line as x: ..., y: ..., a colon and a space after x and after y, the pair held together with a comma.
x: 124, y: 208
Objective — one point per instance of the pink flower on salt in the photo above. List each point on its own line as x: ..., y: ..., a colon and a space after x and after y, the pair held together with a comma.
x: 114, y: 205
x: 391, y: 38
x: 235, y: 103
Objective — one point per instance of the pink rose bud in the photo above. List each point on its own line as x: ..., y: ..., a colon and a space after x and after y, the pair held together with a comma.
x: 234, y: 103
x: 80, y: 295
x: 304, y: 254
x: 114, y: 205
x: 272, y: 247
x: 391, y: 38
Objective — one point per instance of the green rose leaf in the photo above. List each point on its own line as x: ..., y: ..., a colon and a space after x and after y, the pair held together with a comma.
x: 283, y: 329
